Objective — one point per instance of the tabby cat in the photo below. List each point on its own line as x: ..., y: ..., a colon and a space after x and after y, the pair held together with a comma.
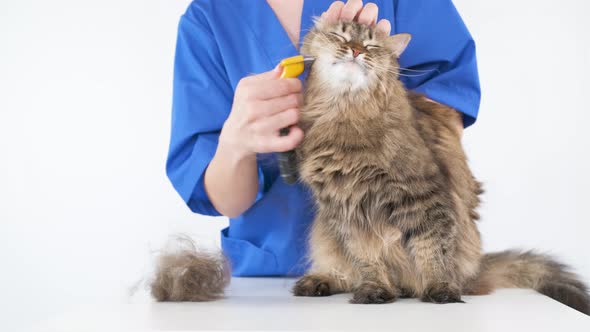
x: 396, y: 200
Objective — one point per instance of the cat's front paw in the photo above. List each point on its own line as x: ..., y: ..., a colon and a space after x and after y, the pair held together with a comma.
x: 372, y: 294
x: 312, y: 285
x: 442, y: 293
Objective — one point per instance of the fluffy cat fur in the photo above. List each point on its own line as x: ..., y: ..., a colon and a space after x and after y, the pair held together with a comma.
x: 396, y: 200
x: 190, y: 274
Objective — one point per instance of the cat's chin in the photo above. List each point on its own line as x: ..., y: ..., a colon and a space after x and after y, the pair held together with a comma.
x: 344, y: 76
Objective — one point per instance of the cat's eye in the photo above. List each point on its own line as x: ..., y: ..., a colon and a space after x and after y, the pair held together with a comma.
x: 342, y: 38
x: 372, y: 47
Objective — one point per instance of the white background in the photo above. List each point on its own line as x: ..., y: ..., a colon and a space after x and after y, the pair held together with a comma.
x: 85, y: 95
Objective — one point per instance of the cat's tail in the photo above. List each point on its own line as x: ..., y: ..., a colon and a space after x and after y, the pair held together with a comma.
x: 190, y: 274
x: 514, y: 269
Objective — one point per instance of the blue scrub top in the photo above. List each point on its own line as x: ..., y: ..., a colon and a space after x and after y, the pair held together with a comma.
x: 220, y: 42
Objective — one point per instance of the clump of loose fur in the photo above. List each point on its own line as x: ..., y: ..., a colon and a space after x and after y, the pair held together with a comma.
x: 190, y: 274
x: 396, y: 199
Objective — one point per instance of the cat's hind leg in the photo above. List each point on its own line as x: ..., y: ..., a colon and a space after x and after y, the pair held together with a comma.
x: 433, y: 248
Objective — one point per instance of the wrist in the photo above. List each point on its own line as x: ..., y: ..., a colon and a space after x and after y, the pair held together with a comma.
x: 232, y: 149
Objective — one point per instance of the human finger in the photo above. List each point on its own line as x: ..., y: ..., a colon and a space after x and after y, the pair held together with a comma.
x: 286, y: 143
x: 333, y: 12
x: 384, y: 26
x: 273, y: 106
x: 271, y: 89
x: 368, y: 15
x: 351, y: 9
x: 284, y: 119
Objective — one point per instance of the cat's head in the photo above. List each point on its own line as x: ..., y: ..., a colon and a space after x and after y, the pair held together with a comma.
x: 350, y: 56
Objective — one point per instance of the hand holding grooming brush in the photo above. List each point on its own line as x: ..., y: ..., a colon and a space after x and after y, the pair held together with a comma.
x: 263, y: 105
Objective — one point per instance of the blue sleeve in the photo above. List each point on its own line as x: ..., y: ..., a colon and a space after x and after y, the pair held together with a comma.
x: 442, y: 47
x: 202, y: 97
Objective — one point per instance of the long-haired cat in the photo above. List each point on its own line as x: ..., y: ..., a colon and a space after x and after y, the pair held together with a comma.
x: 396, y: 200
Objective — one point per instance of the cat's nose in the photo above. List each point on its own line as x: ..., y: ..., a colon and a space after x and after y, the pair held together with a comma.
x: 355, y: 52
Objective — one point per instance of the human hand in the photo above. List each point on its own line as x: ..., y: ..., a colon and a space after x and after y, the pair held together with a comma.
x: 354, y: 10
x: 263, y: 104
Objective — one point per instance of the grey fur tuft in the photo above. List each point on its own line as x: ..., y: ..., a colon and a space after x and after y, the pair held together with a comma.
x: 190, y: 274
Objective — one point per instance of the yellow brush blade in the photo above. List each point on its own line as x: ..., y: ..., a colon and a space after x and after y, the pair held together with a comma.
x: 293, y: 66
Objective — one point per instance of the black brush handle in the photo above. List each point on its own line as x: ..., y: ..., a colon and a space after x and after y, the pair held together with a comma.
x: 287, y: 162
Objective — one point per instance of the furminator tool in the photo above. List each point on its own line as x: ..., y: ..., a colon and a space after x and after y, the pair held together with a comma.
x: 292, y: 67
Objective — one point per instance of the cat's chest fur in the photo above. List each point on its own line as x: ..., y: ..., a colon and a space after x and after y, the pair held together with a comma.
x: 346, y: 160
x: 341, y: 161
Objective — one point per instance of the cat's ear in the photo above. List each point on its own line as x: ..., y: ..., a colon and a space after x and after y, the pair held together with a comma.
x: 397, y: 43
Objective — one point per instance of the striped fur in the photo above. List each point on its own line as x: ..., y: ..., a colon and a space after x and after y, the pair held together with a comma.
x: 396, y: 200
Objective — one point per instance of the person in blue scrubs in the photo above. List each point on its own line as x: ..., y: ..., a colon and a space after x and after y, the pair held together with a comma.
x: 222, y: 112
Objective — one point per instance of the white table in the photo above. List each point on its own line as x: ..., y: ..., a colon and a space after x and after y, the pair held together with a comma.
x: 263, y: 304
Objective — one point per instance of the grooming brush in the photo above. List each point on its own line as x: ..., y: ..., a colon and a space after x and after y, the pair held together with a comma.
x: 292, y: 67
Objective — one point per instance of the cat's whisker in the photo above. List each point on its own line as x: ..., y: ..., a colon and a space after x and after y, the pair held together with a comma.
x: 416, y: 70
x: 394, y: 70
x: 398, y: 70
